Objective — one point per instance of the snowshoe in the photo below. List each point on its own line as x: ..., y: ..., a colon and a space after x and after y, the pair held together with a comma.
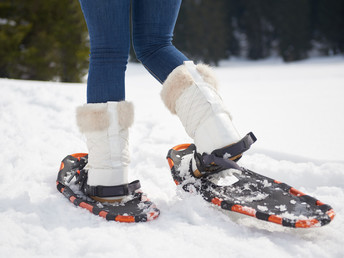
x: 135, y: 207
x: 219, y: 180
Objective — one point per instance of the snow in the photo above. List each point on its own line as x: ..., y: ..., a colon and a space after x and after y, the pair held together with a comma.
x: 295, y: 110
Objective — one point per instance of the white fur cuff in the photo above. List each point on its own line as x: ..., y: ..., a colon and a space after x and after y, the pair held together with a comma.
x: 125, y: 112
x: 179, y: 80
x: 97, y: 116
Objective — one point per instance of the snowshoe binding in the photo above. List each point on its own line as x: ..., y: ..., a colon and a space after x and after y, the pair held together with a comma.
x: 219, y: 180
x: 71, y: 182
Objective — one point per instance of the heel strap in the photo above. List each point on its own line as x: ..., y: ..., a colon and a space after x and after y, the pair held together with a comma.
x: 112, y: 191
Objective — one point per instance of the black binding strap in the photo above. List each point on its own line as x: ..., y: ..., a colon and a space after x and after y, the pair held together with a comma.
x: 112, y: 191
x: 237, y: 148
x: 208, y: 164
x: 219, y: 160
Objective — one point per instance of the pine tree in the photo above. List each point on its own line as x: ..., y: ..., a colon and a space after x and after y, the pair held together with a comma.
x: 201, y: 30
x: 329, y: 25
x: 73, y: 53
x: 254, y: 23
x: 232, y: 10
x: 291, y: 20
x: 12, y: 35
x: 50, y: 42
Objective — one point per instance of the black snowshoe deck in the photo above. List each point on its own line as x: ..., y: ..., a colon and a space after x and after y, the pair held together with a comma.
x: 136, y: 208
x: 252, y: 194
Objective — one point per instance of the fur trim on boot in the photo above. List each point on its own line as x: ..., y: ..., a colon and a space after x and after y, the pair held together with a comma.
x: 180, y: 79
x: 95, y: 117
x: 190, y: 92
x: 92, y: 117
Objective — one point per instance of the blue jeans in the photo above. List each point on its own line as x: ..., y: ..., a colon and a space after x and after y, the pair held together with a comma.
x: 108, y: 23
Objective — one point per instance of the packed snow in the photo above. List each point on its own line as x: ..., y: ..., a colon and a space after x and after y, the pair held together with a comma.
x: 296, y: 110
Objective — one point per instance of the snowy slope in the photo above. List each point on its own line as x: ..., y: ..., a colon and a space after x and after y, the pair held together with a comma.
x: 295, y: 110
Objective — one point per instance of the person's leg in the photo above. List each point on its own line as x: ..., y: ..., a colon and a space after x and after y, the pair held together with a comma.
x: 189, y: 91
x: 108, y: 27
x: 153, y: 25
x: 105, y: 119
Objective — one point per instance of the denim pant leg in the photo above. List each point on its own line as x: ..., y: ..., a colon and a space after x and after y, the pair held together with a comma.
x: 109, y: 30
x: 153, y: 24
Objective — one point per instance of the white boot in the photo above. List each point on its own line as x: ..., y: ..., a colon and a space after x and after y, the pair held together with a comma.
x: 190, y: 91
x: 105, y: 126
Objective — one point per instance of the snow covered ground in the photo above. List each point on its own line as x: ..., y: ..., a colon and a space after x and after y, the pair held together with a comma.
x: 296, y: 110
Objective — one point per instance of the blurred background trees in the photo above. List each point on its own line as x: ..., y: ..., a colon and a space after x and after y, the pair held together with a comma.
x: 47, y: 40
x: 42, y: 40
x: 213, y: 30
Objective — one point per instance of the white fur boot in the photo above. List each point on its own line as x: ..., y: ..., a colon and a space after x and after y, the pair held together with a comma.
x: 190, y: 91
x: 105, y: 126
